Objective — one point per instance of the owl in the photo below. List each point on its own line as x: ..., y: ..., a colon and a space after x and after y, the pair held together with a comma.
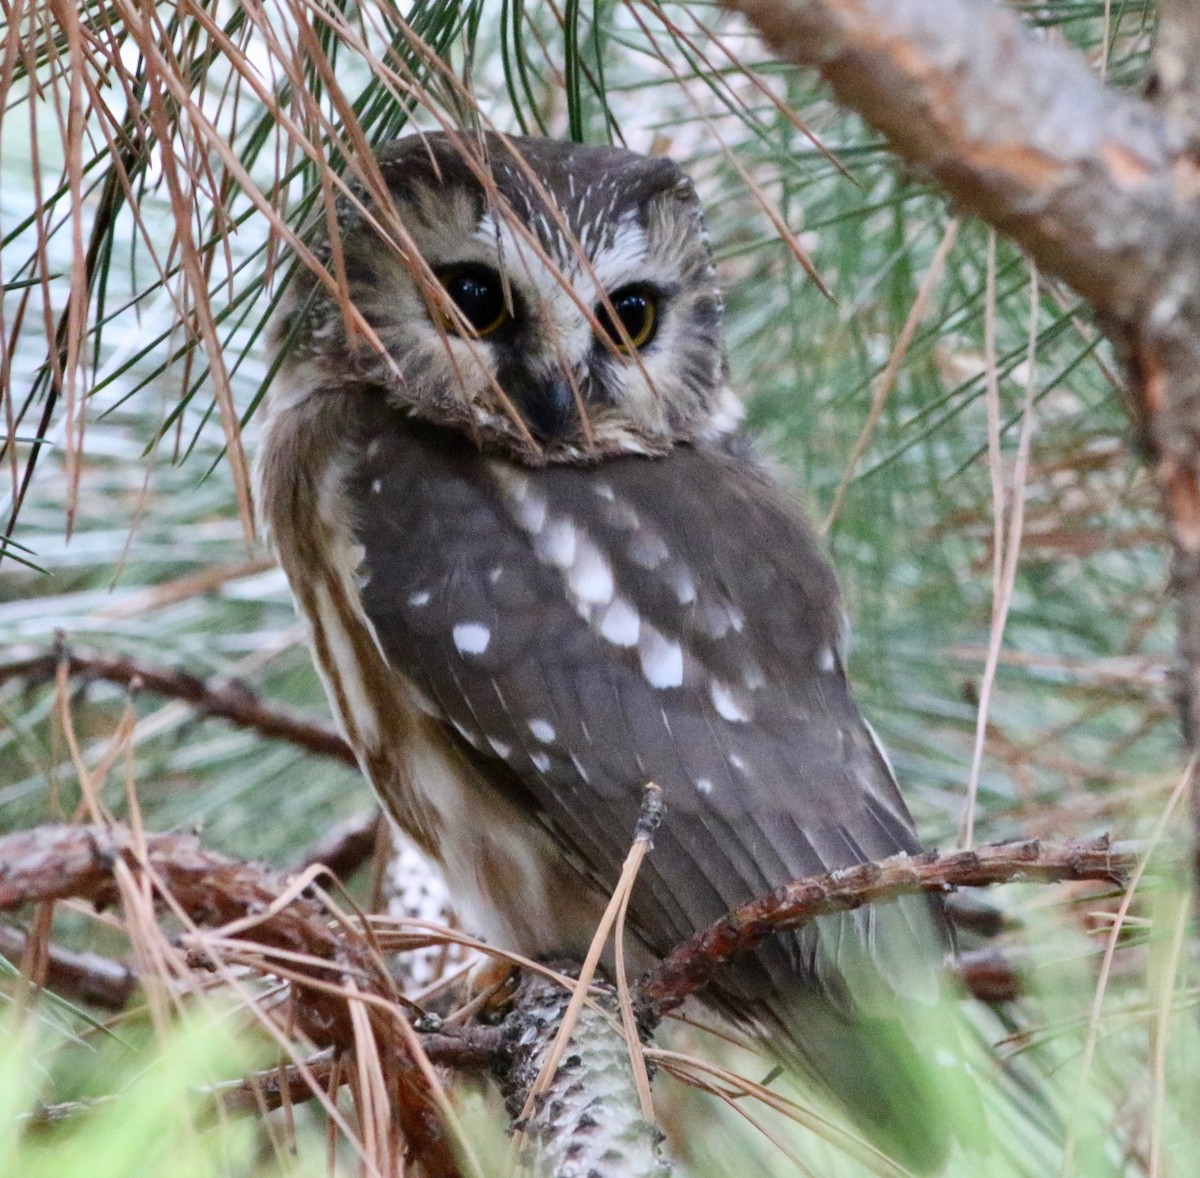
x: 541, y: 567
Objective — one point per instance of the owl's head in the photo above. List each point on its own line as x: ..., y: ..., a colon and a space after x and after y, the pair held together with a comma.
x: 553, y: 301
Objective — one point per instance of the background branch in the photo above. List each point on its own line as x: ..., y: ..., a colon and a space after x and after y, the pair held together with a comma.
x: 223, y: 698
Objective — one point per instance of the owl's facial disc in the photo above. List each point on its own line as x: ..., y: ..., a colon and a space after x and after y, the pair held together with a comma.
x: 563, y: 305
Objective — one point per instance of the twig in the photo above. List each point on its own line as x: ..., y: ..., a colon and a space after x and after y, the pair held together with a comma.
x: 348, y: 846
x: 690, y: 966
x: 81, y: 977
x: 224, y: 698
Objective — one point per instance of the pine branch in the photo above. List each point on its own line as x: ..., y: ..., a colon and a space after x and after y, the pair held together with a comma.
x: 299, y: 940
x: 691, y: 965
x: 78, y: 977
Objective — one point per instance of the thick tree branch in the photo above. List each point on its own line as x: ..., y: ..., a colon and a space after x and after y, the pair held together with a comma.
x: 57, y: 862
x: 1099, y: 186
x: 224, y: 698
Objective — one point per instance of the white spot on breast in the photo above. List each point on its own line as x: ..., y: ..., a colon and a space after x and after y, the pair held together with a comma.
x: 826, y: 660
x: 620, y: 623
x: 542, y: 729
x: 419, y: 599
x: 590, y: 578
x: 528, y: 505
x: 541, y: 761
x: 661, y: 658
x: 376, y: 486
x: 648, y: 550
x: 501, y: 749
x: 471, y: 637
x: 555, y: 543
x: 727, y: 706
x: 703, y: 785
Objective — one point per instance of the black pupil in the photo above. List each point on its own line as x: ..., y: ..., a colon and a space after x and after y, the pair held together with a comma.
x: 479, y: 296
x: 634, y: 309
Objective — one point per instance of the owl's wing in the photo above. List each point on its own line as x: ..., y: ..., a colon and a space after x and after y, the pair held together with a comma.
x: 587, y: 630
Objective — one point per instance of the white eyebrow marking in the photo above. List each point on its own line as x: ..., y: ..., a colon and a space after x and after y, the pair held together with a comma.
x: 661, y: 658
x: 471, y: 637
x: 542, y: 729
x: 614, y: 262
x: 620, y: 624
x: 727, y: 707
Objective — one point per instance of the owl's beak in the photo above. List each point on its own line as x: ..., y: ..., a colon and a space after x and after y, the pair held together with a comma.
x: 547, y: 405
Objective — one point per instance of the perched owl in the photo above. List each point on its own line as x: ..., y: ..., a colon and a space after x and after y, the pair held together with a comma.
x: 540, y: 569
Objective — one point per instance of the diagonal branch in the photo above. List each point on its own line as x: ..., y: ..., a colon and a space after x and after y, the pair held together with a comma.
x: 691, y: 965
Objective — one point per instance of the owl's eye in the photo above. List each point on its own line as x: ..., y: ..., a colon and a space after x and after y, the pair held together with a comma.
x: 479, y: 294
x: 636, y: 308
